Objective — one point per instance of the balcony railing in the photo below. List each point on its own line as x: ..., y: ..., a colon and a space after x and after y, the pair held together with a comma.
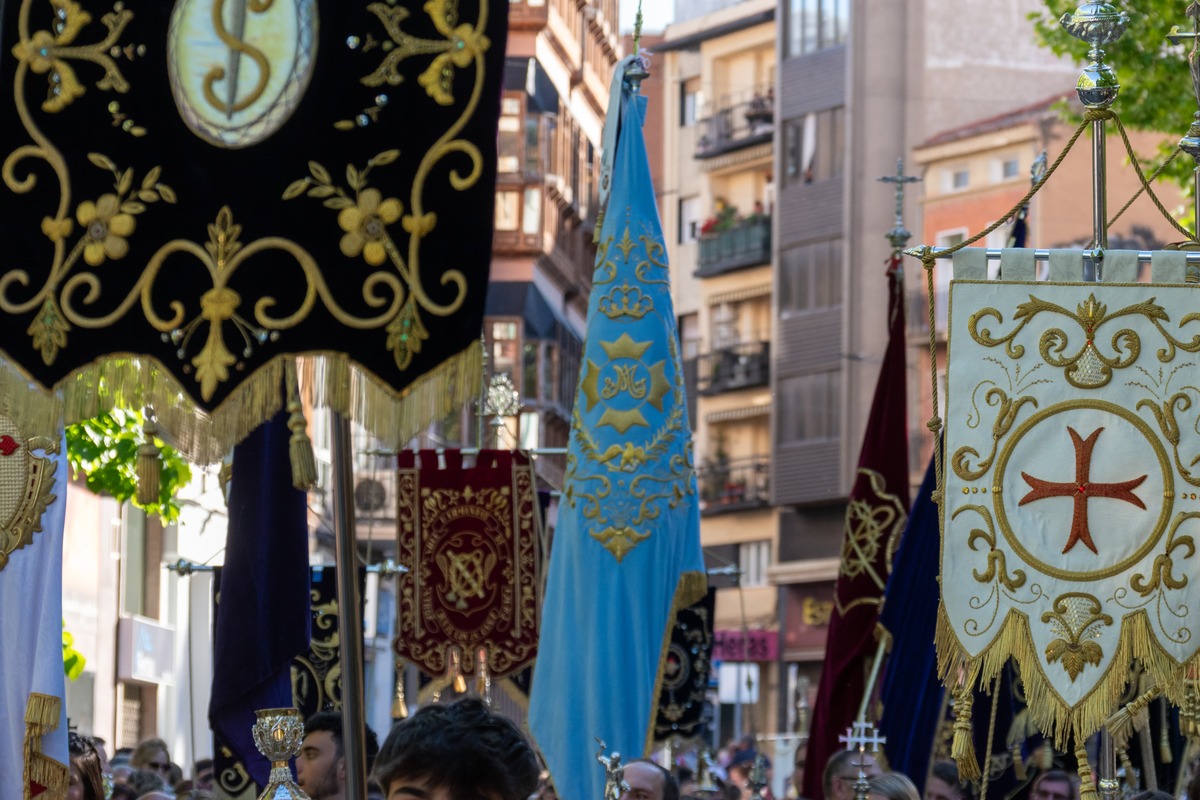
x: 746, y: 244
x: 741, y: 366
x: 736, y: 125
x: 733, y: 484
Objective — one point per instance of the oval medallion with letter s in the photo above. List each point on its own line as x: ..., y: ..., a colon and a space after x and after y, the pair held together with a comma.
x: 239, y: 68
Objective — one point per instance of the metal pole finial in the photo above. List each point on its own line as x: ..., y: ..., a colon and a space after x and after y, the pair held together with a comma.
x: 636, y: 72
x: 1190, y: 143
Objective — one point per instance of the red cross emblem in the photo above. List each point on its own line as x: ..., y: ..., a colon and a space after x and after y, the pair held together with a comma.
x: 8, y: 445
x: 1082, y: 489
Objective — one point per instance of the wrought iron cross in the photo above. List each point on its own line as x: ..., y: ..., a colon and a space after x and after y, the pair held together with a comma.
x: 861, y: 736
x: 900, y: 235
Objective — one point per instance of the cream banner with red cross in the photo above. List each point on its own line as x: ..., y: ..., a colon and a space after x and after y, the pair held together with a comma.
x: 1071, y: 504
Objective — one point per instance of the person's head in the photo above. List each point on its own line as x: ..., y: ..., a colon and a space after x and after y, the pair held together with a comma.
x: 86, y: 780
x: 1053, y: 785
x: 143, y: 781
x: 202, y: 775
x: 841, y: 771
x: 943, y: 783
x: 892, y: 786
x: 121, y: 773
x: 151, y: 755
x: 461, y: 750
x: 321, y: 765
x: 798, y: 762
x: 123, y: 791
x: 649, y: 781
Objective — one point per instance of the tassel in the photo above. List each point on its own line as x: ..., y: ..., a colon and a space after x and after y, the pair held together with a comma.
x: 1133, y: 716
x: 149, y: 466
x: 1131, y: 778
x: 1189, y: 719
x: 1018, y: 763
x: 1165, y: 755
x: 304, y: 463
x: 1087, y: 785
x: 399, y: 704
x: 1046, y: 756
x: 483, y: 678
x: 457, y: 680
x: 962, y: 750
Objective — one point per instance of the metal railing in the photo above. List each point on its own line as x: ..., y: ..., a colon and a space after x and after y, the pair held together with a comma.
x: 746, y: 244
x: 733, y: 125
x: 734, y: 484
x: 740, y: 366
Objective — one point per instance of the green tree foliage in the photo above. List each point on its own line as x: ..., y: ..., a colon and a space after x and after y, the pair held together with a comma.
x: 104, y: 449
x: 73, y: 660
x: 1156, y: 87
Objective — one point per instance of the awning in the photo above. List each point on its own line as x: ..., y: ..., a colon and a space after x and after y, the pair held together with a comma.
x: 523, y: 299
x: 737, y: 295
x: 526, y: 74
x: 735, y: 414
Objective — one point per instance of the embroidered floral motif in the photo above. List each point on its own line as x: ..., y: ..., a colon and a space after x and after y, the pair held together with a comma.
x: 365, y: 224
x: 105, y: 228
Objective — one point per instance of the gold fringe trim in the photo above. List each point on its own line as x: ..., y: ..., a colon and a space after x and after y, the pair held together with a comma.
x: 1047, y: 710
x: 42, y: 714
x: 1087, y: 781
x: 329, y: 380
x: 690, y: 588
x: 300, y: 449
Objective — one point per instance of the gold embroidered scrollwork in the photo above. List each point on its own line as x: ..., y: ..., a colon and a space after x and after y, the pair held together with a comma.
x: 1007, y: 410
x: 1087, y: 367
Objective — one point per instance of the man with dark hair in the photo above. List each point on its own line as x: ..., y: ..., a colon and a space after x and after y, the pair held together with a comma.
x: 943, y: 783
x: 1054, y: 785
x: 457, y: 751
x: 321, y: 765
x: 649, y: 781
x: 841, y: 772
x: 202, y: 775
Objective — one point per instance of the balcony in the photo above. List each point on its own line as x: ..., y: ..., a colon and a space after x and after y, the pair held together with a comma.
x: 527, y: 15
x: 741, y: 366
x: 746, y: 244
x: 735, y: 484
x: 736, y: 125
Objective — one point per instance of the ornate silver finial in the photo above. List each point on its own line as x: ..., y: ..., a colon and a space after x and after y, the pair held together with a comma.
x: 899, y: 235
x: 614, y: 773
x: 1096, y: 24
x: 1190, y: 144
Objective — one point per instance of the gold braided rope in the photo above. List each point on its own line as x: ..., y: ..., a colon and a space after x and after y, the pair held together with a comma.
x: 987, y: 756
x: 1153, y: 177
x: 1145, y: 184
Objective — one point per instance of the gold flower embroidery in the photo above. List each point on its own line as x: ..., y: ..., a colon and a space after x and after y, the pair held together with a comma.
x: 366, y: 224
x: 465, y: 44
x: 42, y: 53
x: 105, y: 229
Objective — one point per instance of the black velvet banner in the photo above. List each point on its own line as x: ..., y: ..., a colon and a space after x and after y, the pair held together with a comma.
x: 219, y: 183
x: 683, y: 710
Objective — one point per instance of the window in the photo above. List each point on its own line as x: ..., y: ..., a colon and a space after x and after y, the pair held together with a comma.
x: 503, y: 349
x: 753, y: 559
x: 1008, y: 169
x: 810, y: 276
x: 814, y: 146
x: 509, y: 141
x: 689, y: 103
x: 689, y: 219
x: 811, y: 402
x: 531, y: 221
x: 955, y: 179
x: 814, y: 25
x: 508, y: 210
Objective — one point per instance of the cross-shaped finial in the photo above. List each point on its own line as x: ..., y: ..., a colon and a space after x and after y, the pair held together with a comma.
x: 861, y: 736
x: 899, y: 235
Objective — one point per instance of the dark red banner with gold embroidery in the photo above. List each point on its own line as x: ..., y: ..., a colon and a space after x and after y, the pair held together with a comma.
x: 196, y: 191
x: 470, y: 538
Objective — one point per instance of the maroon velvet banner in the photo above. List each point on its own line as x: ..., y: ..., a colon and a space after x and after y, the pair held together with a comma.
x: 470, y: 538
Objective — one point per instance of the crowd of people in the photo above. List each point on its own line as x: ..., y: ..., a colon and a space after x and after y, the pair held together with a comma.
x: 465, y: 750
